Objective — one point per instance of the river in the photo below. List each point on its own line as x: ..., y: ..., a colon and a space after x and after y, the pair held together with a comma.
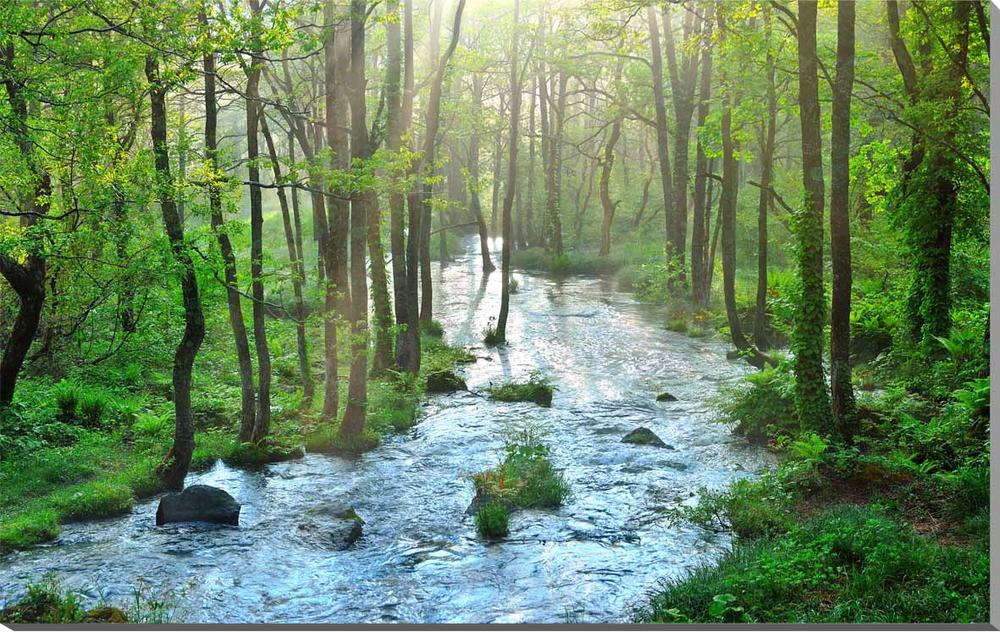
x: 420, y: 559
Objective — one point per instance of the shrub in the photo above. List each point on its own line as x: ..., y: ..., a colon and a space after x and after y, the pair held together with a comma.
x: 762, y: 404
x: 45, y: 603
x: 749, y: 508
x: 492, y: 521
x: 490, y: 334
x: 845, y: 565
x: 433, y: 328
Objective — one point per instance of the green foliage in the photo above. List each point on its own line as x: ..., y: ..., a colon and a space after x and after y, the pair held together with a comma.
x: 92, y: 405
x: 749, y: 508
x: 67, y: 396
x: 492, y: 521
x: 45, y: 603
x: 491, y: 336
x: 844, y: 565
x: 537, y: 389
x: 525, y: 476
x: 28, y: 529
x: 762, y: 404
x: 433, y: 328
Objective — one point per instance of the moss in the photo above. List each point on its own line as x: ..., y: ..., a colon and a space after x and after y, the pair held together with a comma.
x: 269, y: 450
x: 444, y: 382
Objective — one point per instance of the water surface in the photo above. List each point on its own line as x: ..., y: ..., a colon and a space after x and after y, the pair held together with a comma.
x: 420, y: 559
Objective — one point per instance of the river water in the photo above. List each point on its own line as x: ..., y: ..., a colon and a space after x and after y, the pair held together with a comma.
x: 420, y: 560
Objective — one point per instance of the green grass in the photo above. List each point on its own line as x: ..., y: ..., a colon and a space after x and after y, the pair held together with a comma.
x: 493, y: 521
x: 573, y: 262
x: 525, y: 477
x: 537, y: 389
x: 848, y: 564
x: 47, y: 602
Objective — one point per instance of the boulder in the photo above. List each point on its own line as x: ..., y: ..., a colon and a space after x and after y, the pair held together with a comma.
x: 645, y: 436
x: 334, y: 525
x: 199, y: 503
x: 445, y: 382
x: 665, y: 397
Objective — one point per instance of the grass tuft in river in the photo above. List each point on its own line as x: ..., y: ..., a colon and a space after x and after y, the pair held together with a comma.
x: 537, y: 389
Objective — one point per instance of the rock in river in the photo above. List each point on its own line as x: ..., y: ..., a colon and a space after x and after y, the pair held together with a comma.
x: 334, y: 525
x: 444, y: 382
x: 645, y: 436
x: 199, y: 503
x: 665, y: 397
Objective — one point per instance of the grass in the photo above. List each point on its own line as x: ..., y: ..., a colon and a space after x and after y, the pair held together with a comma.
x: 847, y: 564
x: 537, y: 389
x: 47, y: 602
x: 493, y: 521
x: 574, y: 262
x: 525, y: 477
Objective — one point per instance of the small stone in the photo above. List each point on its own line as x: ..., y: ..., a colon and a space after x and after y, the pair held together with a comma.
x: 665, y: 397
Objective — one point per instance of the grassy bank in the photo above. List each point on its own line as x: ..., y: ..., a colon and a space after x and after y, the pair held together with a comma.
x: 892, y: 526
x: 60, y: 463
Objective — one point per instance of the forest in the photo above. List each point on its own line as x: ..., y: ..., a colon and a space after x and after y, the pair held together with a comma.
x: 494, y: 311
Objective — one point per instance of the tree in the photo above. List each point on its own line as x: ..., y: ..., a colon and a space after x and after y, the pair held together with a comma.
x: 662, y: 141
x: 175, y: 465
x: 842, y: 393
x: 812, y: 400
x: 474, y: 185
x: 508, y: 200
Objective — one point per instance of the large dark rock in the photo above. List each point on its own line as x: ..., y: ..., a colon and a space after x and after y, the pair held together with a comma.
x: 645, y: 436
x: 665, y: 397
x: 199, y: 503
x: 332, y: 525
x: 444, y: 382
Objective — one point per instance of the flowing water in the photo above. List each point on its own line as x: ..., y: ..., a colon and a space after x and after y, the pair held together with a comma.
x: 420, y: 560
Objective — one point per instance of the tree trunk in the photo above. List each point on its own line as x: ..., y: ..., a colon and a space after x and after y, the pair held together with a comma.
x: 248, y: 396
x: 699, y: 234
x: 176, y: 464
x: 841, y: 391
x: 662, y: 140
x: 760, y: 321
x: 353, y: 422
x: 474, y: 206
x: 394, y: 143
x: 811, y: 396
x: 508, y: 200
x: 607, y: 162
x: 263, y: 417
x: 298, y: 270
x: 27, y: 278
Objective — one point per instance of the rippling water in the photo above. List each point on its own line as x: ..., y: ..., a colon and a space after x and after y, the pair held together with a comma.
x: 420, y: 559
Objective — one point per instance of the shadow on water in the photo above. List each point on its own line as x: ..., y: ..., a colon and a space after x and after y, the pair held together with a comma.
x: 420, y: 559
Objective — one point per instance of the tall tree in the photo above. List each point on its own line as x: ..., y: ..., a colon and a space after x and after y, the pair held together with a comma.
x: 767, y: 139
x: 244, y: 362
x: 508, y: 200
x: 812, y: 399
x: 361, y: 198
x: 662, y: 142
x: 474, y: 187
x: 175, y: 466
x: 263, y: 417
x: 699, y: 233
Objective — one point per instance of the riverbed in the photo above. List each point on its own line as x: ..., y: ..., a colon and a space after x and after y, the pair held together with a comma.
x: 420, y: 560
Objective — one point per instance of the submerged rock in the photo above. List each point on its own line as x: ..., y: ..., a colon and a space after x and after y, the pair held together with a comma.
x: 199, y: 503
x: 665, y: 397
x: 444, y: 382
x: 336, y: 525
x: 645, y: 436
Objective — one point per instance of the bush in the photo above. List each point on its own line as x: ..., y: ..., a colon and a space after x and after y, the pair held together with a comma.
x: 45, y: 603
x: 492, y: 521
x: 433, y: 328
x: 762, y: 404
x: 537, y: 389
x: 490, y: 334
x: 749, y: 508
